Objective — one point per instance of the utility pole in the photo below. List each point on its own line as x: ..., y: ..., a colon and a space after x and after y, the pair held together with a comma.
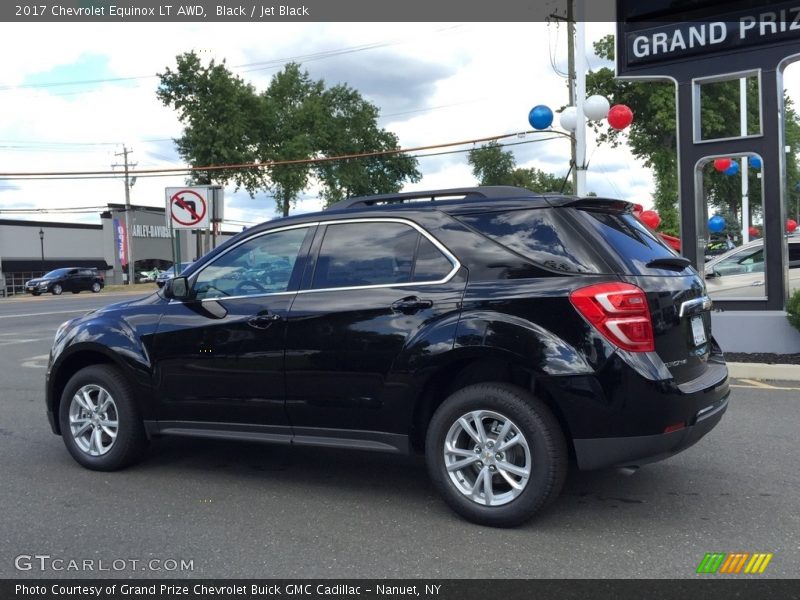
x: 570, y: 20
x: 580, y: 98
x: 571, y: 84
x: 131, y: 269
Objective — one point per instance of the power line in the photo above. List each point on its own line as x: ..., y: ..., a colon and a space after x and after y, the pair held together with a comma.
x: 271, y: 164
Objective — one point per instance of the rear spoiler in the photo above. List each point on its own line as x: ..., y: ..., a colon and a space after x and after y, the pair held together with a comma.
x: 602, y: 204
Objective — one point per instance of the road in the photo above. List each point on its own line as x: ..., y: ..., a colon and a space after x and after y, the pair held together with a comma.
x: 240, y: 510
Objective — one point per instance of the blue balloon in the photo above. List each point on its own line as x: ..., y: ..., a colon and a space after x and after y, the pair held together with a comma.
x: 540, y: 117
x: 716, y: 224
x: 733, y: 169
x: 755, y: 162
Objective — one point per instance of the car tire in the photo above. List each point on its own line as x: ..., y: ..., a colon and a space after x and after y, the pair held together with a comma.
x: 36, y: 293
x: 57, y: 289
x: 100, y: 421
x: 96, y: 287
x: 475, y: 477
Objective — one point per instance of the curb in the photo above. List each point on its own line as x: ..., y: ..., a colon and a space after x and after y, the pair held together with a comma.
x: 764, y: 371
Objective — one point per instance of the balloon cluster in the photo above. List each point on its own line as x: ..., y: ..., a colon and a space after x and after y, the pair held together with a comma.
x: 729, y: 166
x: 595, y: 108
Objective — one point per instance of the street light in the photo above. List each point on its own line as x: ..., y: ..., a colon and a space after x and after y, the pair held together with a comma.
x: 41, y: 242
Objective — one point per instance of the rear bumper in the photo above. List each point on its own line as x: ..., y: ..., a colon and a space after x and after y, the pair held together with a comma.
x: 596, y: 453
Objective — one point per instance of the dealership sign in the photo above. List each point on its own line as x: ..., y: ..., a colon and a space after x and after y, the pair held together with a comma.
x: 150, y: 231
x: 649, y: 38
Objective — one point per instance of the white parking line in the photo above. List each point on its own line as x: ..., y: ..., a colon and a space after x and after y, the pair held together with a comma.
x: 22, y: 341
x: 36, y: 362
x: 55, y: 312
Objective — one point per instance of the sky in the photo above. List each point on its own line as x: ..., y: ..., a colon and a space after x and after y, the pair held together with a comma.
x: 434, y: 83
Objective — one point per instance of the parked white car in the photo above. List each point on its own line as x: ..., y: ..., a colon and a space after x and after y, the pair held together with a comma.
x: 739, y: 273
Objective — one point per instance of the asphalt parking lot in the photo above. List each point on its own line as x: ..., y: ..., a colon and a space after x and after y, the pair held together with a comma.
x: 241, y: 510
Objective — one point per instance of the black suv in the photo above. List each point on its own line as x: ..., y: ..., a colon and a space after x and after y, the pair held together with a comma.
x: 68, y: 279
x: 497, y: 331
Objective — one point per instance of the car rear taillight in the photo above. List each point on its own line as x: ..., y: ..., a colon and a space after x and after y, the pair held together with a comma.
x: 619, y: 312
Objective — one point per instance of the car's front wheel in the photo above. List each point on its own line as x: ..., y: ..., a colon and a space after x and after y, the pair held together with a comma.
x: 496, y: 453
x: 57, y: 289
x: 96, y: 287
x: 100, y: 422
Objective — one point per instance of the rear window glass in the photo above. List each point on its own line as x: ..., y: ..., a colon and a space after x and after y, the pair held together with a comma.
x: 537, y: 235
x: 632, y: 244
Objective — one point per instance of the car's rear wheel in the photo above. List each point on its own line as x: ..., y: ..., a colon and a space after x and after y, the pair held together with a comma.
x: 96, y: 287
x: 57, y: 289
x: 100, y: 422
x: 496, y: 454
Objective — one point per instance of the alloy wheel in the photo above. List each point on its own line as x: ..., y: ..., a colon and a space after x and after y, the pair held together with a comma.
x: 487, y: 458
x: 93, y: 420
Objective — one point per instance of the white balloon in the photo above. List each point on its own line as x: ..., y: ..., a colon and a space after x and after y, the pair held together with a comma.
x: 569, y: 118
x: 596, y: 107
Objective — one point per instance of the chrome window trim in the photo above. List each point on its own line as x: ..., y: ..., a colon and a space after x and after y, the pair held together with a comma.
x: 441, y: 247
x: 447, y: 254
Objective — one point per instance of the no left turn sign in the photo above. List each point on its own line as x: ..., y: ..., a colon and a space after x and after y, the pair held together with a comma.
x: 187, y: 208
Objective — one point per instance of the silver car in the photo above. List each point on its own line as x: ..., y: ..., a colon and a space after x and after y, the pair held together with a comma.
x: 165, y: 276
x: 739, y: 273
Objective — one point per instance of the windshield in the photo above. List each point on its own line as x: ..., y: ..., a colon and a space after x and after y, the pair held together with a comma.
x: 55, y: 273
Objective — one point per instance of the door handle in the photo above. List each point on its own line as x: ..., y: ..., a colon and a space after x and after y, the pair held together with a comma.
x: 411, y: 304
x: 263, y: 321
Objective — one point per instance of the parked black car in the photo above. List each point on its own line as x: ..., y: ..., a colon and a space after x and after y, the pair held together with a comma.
x: 497, y: 331
x: 68, y: 279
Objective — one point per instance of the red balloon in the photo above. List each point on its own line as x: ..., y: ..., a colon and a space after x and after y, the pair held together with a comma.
x: 791, y: 225
x: 637, y: 208
x: 650, y: 218
x: 754, y: 232
x: 722, y: 164
x: 620, y: 116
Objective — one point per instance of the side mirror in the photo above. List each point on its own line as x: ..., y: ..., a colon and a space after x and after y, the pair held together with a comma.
x: 177, y: 287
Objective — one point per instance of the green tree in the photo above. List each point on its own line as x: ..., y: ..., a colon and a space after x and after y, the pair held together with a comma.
x: 350, y: 128
x: 492, y: 165
x: 220, y: 114
x: 295, y: 120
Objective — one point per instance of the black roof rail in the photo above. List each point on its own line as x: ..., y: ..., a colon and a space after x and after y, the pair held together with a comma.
x: 466, y: 193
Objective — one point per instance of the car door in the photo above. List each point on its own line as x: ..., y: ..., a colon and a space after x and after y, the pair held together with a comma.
x: 219, y: 357
x: 71, y: 280
x: 372, y: 295
x: 739, y: 275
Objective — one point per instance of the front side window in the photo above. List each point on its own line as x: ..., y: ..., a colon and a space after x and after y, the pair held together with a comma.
x: 364, y: 254
x: 746, y: 261
x: 261, y: 265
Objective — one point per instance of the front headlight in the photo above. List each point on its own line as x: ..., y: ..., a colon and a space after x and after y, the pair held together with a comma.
x: 43, y: 283
x: 60, y: 331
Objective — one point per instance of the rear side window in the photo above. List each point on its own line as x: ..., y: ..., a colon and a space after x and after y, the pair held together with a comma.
x: 538, y: 235
x: 363, y: 254
x: 632, y: 244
